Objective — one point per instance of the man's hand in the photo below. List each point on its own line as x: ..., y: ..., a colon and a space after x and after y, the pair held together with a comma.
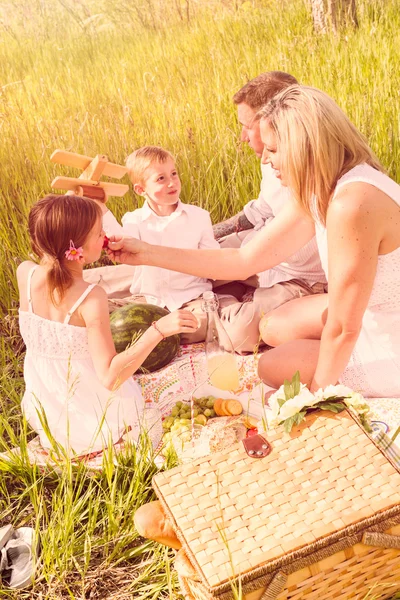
x: 125, y: 250
x: 236, y: 223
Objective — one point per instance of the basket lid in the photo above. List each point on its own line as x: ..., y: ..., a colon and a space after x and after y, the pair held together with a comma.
x: 234, y: 513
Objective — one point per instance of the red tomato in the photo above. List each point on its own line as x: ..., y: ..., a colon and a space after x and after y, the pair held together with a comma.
x: 251, y: 432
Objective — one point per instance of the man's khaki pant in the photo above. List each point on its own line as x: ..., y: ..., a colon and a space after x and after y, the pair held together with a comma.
x: 242, y: 319
x: 195, y: 306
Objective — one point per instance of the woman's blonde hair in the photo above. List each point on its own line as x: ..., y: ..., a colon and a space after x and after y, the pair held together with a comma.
x: 318, y: 144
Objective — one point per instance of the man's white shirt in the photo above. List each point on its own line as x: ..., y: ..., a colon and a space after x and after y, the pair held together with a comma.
x: 187, y: 227
x: 304, y: 264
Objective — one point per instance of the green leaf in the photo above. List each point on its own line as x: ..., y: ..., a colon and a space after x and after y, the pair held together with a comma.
x: 296, y: 383
x: 300, y: 416
x: 287, y: 386
x: 335, y: 407
x: 281, y: 402
x: 288, y: 424
x: 294, y: 420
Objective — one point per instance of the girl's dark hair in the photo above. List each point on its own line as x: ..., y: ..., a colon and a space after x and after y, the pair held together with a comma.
x: 53, y: 222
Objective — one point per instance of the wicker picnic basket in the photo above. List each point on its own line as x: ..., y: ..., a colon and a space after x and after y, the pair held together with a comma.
x: 318, y: 518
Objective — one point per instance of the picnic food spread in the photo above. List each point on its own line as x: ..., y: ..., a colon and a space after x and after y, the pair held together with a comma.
x: 179, y: 422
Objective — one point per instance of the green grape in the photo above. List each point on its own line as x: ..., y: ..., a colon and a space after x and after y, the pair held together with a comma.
x: 207, y: 412
x: 210, y: 403
x: 178, y: 404
x: 201, y: 420
x: 213, y: 414
x: 175, y: 411
x: 196, y: 412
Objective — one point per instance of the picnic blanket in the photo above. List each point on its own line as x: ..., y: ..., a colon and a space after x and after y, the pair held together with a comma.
x: 163, y: 387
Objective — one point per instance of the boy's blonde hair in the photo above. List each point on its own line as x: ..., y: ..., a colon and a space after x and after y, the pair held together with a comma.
x: 141, y: 159
x: 318, y: 144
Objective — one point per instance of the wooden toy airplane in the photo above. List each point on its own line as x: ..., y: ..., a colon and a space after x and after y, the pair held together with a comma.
x: 88, y: 183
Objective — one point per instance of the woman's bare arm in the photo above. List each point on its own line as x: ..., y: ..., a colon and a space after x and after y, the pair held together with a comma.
x: 355, y: 231
x: 282, y: 237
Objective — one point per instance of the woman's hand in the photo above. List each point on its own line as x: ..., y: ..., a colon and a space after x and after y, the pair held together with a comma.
x: 126, y: 250
x: 179, y: 321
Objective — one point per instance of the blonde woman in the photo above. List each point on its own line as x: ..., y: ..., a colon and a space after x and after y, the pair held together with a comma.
x: 342, y: 195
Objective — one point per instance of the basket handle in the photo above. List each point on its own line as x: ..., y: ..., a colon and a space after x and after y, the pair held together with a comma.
x: 275, y: 586
x: 381, y: 540
x: 257, y: 446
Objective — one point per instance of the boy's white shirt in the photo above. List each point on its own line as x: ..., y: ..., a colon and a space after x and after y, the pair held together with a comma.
x: 187, y: 227
x: 304, y: 264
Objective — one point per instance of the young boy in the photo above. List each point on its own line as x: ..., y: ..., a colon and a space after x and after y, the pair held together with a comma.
x: 166, y: 221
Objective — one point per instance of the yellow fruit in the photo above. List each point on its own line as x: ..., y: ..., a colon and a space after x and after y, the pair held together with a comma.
x: 201, y: 420
x: 250, y: 422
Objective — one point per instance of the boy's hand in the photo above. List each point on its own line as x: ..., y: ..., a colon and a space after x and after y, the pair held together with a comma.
x: 179, y: 321
x: 125, y: 250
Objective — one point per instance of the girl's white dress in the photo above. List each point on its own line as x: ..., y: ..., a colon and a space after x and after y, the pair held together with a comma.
x: 374, y: 366
x: 62, y: 386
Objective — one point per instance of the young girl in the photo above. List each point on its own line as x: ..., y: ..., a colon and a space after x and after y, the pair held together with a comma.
x: 77, y: 387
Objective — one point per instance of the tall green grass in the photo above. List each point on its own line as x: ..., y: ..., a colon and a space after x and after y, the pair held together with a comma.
x: 106, y: 77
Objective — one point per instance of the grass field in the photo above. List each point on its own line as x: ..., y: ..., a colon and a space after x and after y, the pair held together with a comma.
x: 106, y: 77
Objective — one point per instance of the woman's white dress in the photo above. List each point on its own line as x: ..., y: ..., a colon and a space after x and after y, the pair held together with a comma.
x: 374, y: 366
x: 62, y: 386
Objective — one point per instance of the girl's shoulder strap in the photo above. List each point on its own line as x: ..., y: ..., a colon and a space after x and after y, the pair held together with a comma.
x: 78, y: 302
x: 28, y: 287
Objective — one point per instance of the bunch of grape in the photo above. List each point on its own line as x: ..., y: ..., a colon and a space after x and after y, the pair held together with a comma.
x: 180, y: 419
x: 181, y: 412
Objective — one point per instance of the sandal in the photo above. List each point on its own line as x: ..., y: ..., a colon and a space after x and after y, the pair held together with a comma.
x: 16, y: 557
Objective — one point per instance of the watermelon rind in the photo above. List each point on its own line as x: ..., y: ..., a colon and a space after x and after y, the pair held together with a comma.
x: 132, y: 320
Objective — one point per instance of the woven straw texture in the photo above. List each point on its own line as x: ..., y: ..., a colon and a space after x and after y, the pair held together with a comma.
x: 308, y: 502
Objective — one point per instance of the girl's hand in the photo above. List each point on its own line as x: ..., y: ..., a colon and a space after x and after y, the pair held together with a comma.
x: 126, y: 250
x: 179, y: 321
